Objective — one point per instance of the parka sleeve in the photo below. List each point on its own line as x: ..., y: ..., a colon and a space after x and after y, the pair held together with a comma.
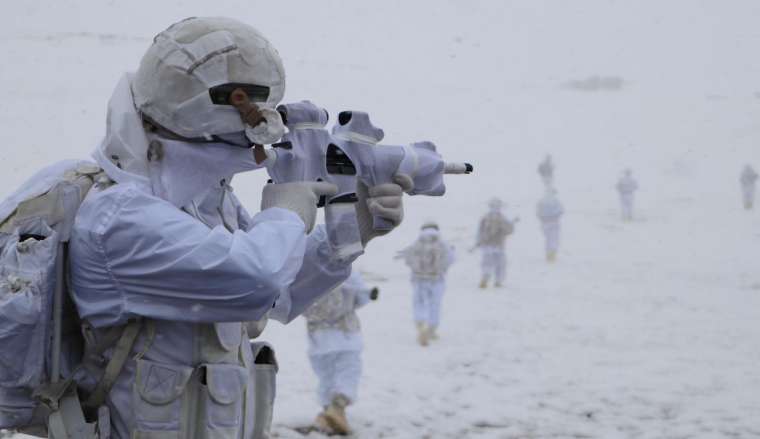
x: 133, y: 254
x: 321, y: 271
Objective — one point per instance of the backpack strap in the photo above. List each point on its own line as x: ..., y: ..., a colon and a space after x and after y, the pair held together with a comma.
x: 68, y: 417
x: 68, y: 421
x: 113, y: 369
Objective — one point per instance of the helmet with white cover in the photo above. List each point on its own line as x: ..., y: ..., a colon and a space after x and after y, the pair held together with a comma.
x: 429, y: 231
x: 429, y: 224
x: 187, y: 80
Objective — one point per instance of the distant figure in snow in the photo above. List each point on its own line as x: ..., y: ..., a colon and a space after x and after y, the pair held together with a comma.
x: 546, y: 171
x: 549, y: 211
x: 335, y: 346
x: 493, y: 230
x: 626, y: 187
x: 429, y: 258
x: 748, y: 180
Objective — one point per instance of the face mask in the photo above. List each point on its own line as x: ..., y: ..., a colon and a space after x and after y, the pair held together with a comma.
x: 180, y: 171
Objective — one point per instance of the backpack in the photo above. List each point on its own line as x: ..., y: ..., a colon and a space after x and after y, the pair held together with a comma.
x: 494, y: 228
x: 39, y: 327
x: 43, y: 343
x: 428, y: 259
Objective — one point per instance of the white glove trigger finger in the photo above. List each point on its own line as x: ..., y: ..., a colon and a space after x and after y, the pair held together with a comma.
x: 393, y: 201
x: 405, y: 181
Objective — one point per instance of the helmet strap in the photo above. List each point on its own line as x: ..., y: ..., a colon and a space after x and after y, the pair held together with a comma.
x: 152, y: 127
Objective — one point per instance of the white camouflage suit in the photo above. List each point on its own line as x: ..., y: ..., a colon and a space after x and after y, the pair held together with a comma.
x: 168, y: 252
x: 335, y: 339
x: 627, y: 187
x: 429, y: 259
x: 748, y: 180
x: 549, y: 211
x: 194, y: 275
x: 492, y: 236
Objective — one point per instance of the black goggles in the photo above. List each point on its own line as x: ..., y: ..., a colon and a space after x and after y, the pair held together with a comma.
x: 220, y: 94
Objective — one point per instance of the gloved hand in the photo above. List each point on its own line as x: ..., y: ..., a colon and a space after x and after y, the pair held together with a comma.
x: 374, y: 293
x: 383, y: 200
x: 299, y: 197
x: 270, y: 130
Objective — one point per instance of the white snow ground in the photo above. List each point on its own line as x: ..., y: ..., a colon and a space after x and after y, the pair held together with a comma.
x: 643, y: 330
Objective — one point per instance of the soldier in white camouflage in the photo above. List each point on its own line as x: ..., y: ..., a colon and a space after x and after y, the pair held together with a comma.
x: 493, y: 230
x: 748, y: 181
x: 429, y: 258
x: 335, y: 346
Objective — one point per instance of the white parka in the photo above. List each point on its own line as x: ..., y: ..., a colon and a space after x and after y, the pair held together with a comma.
x: 193, y: 267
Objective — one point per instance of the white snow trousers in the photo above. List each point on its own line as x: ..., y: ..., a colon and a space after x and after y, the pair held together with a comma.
x: 551, y: 233
x: 339, y: 373
x: 626, y: 203
x: 428, y: 296
x: 748, y: 190
x: 493, y: 263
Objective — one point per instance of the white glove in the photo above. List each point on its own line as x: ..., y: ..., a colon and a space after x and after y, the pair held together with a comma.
x: 300, y: 197
x: 269, y: 131
x: 384, y: 200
